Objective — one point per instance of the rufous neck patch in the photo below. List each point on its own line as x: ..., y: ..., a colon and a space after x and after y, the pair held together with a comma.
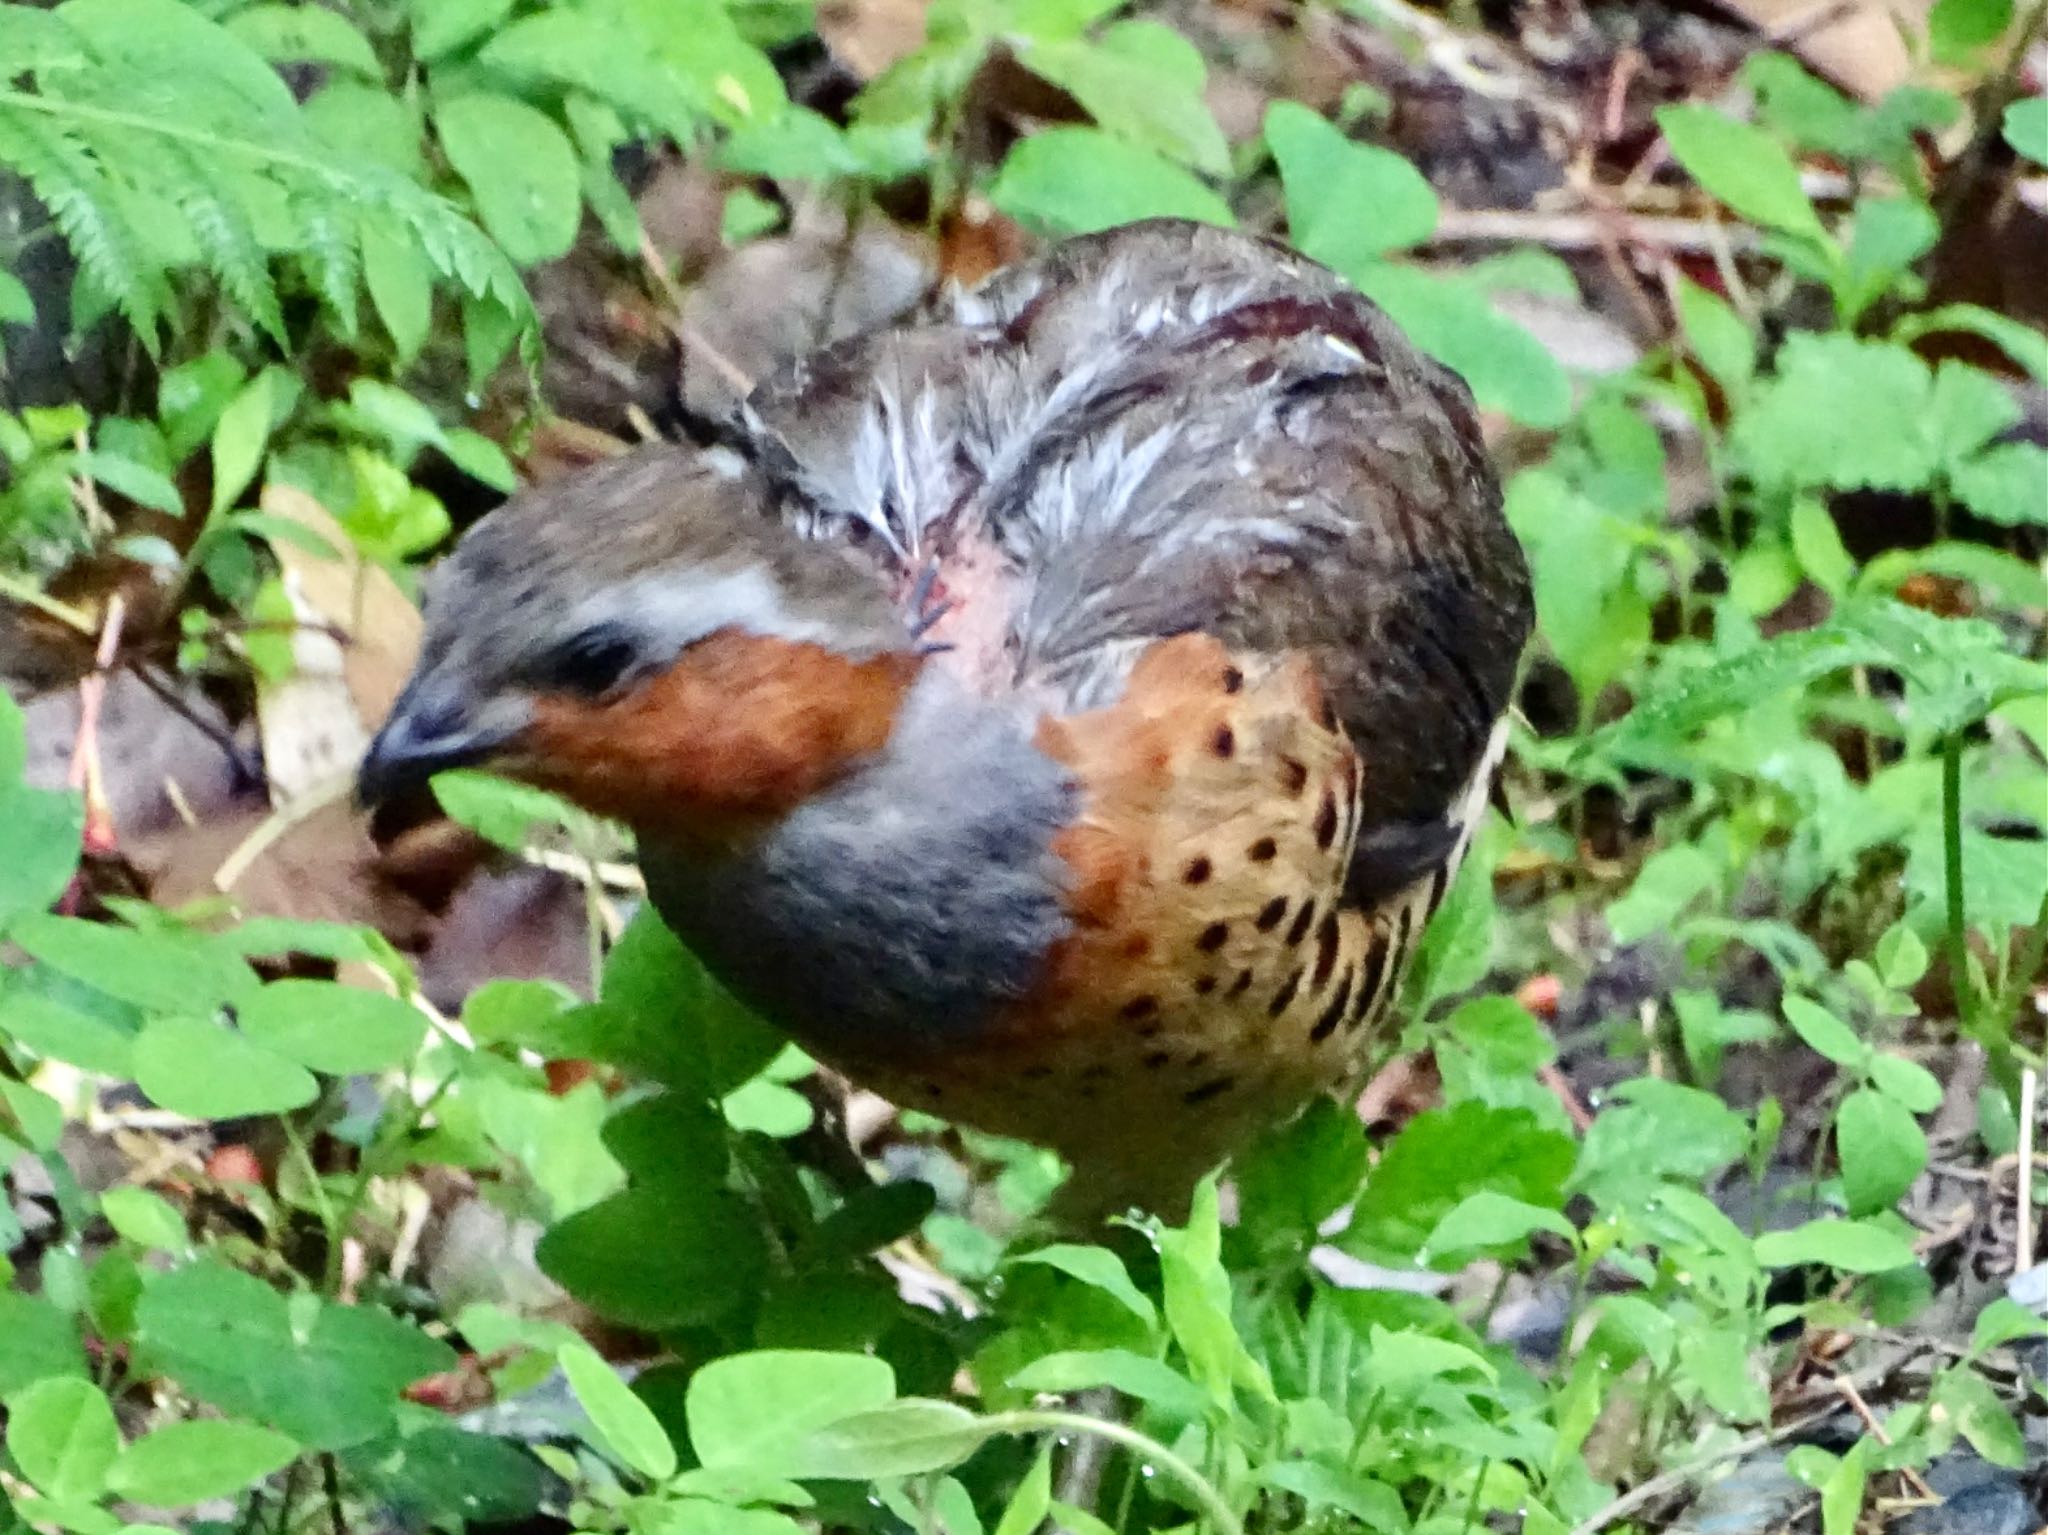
x: 738, y: 732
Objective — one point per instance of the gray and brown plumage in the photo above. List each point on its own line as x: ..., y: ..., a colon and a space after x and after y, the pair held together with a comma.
x: 1061, y: 712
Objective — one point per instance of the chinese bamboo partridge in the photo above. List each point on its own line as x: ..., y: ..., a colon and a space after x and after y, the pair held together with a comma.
x: 1061, y: 712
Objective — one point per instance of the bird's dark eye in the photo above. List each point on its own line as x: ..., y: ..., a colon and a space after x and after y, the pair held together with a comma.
x: 591, y: 663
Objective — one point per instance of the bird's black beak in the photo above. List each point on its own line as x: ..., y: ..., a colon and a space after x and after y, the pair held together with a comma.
x: 431, y: 727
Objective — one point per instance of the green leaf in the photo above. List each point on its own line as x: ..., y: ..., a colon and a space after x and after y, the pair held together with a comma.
x: 305, y: 34
x: 1347, y: 203
x: 1441, y: 1158
x: 145, y: 1218
x: 62, y: 1435
x: 1509, y: 369
x: 1852, y: 1247
x: 1743, y: 166
x: 37, y: 1342
x: 400, y: 280
x: 1031, y: 1501
x: 676, y: 1254
x: 1197, y: 1300
x: 752, y: 1410
x: 1142, y: 82
x: 1656, y: 1130
x: 16, y: 306
x: 1968, y: 1401
x: 1882, y: 1150
x: 1301, y: 1172
x: 906, y: 1438
x: 45, y: 829
x: 197, y: 1067
x: 2002, y: 1322
x: 38, y: 1116
x: 2026, y: 128
x: 1492, y: 1222
x: 1373, y: 1504
x: 1958, y: 28
x: 439, y: 27
x: 1818, y: 544
x: 1134, y: 1375
x: 1100, y: 1267
x: 181, y: 1464
x: 240, y: 438
x: 521, y: 169
x: 1671, y: 879
x: 1720, y: 338
x: 327, y: 1375
x: 1078, y: 180
x: 624, y: 1426
x: 2006, y: 484
x: 160, y: 970
x: 1721, y: 1367
x: 341, y: 1030
x: 1824, y: 1033
x: 1910, y: 1083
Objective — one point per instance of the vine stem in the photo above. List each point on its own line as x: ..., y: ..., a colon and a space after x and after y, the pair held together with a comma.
x: 1041, y: 1420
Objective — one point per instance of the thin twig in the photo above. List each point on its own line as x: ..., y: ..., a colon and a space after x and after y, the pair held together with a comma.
x: 1588, y: 229
x: 1877, y: 1431
x: 1643, y: 1494
x: 273, y: 826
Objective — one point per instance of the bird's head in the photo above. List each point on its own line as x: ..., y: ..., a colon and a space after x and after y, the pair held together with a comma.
x: 645, y: 639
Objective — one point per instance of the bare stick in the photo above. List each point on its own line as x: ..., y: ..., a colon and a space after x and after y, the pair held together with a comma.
x: 2023, y: 1238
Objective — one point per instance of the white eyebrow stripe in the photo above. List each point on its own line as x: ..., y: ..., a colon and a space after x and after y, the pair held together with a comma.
x: 673, y: 609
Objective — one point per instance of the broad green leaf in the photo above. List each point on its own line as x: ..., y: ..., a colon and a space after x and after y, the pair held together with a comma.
x: 327, y: 1375
x: 341, y: 1030
x: 1030, y: 1502
x: 1824, y: 1033
x: 400, y: 280
x: 1142, y: 82
x: 1912, y: 1084
x: 1078, y: 180
x: 1134, y: 1375
x: 1655, y: 1130
x: 2002, y: 1322
x: 1719, y: 1364
x: 305, y: 34
x: 1818, y: 544
x: 1720, y: 338
x: 622, y: 1422
x: 1100, y: 1267
x: 2026, y: 127
x: 904, y: 1438
x: 1373, y: 1504
x: 2006, y: 483
x: 521, y: 169
x: 1882, y: 1150
x: 1490, y: 1221
x: 1743, y: 166
x: 1347, y: 203
x: 1671, y: 879
x: 38, y: 1117
x: 1441, y: 1158
x: 1300, y: 1173
x: 145, y: 1218
x: 1508, y: 369
x: 1958, y: 28
x: 181, y: 1464
x: 204, y: 1069
x: 440, y: 27
x: 162, y: 970
x: 16, y: 306
x: 44, y: 832
x: 240, y: 438
x: 752, y: 1410
x: 62, y: 1434
x: 37, y: 1342
x: 1970, y: 1403
x: 1852, y: 1247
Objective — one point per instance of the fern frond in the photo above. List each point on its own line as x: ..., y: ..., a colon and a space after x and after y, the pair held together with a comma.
x: 328, y: 252
x: 69, y: 181
x: 227, y: 244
